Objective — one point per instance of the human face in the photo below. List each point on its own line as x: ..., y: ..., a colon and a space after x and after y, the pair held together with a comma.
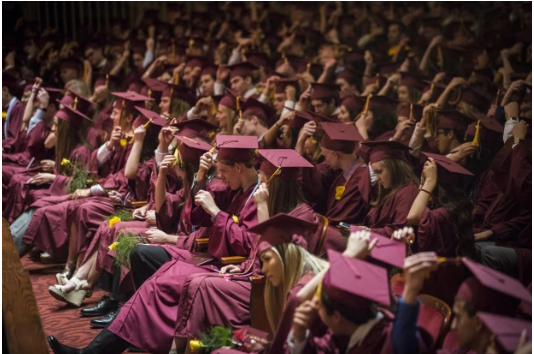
x: 138, y: 61
x: 222, y: 117
x: 68, y: 74
x: 367, y: 120
x: 465, y: 326
x: 383, y: 175
x: 444, y: 141
x: 326, y: 53
x: 278, y: 102
x: 272, y: 267
x: 331, y: 321
x: 344, y: 115
x: 239, y: 85
x: 165, y: 104
x: 324, y: 109
x: 481, y: 61
x: 249, y: 126
x: 116, y: 115
x: 403, y: 94
x: 393, y: 34
x: 345, y: 88
x: 331, y: 158
x: 94, y: 55
x: 206, y: 85
x: 180, y: 172
x: 231, y: 175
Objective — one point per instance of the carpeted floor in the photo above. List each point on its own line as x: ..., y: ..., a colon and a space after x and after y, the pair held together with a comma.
x: 58, y: 318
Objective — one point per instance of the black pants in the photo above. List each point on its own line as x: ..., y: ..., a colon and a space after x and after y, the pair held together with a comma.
x: 145, y: 261
x: 502, y: 259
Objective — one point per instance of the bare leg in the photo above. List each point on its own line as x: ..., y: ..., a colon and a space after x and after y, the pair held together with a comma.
x: 82, y: 273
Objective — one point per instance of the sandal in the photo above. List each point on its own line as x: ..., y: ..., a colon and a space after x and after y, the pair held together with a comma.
x: 75, y: 297
x: 63, y: 277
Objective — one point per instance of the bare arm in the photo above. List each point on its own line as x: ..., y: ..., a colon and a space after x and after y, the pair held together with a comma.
x: 421, y: 201
x: 130, y: 170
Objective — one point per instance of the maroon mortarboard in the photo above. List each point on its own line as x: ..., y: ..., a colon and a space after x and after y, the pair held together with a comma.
x: 196, y: 128
x: 283, y: 83
x: 453, y: 120
x: 320, y: 91
x: 209, y: 69
x: 436, y: 89
x: 236, y: 148
x: 475, y: 99
x: 349, y: 75
x: 506, y: 330
x: 196, y: 42
x: 318, y: 118
x: 184, y: 93
x: 491, y: 291
x: 411, y: 110
x: 388, y: 67
x: 377, y: 80
x: 385, y: 149
x: 72, y: 63
x: 228, y: 101
x: 110, y: 81
x: 379, y: 103
x: 73, y: 116
x: 386, y: 251
x: 136, y: 86
x: 195, y: 61
x: 80, y: 102
x: 253, y: 107
x: 156, y: 122
x: 301, y: 118
x: 448, y: 170
x: 353, y: 104
x: 282, y: 163
x: 488, y: 128
x: 413, y: 81
x: 354, y: 283
x: 155, y: 87
x: 66, y: 100
x: 242, y: 69
x: 129, y: 100
x: 191, y: 149
x: 340, y: 137
x: 283, y: 228
x: 258, y: 59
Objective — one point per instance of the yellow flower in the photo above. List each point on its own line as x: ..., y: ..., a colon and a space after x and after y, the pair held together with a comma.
x: 195, y: 345
x: 113, y: 246
x: 113, y: 221
x: 65, y: 162
x: 236, y: 219
x: 123, y: 142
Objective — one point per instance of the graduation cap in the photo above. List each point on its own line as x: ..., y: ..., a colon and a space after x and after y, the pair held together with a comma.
x: 191, y: 149
x: 284, y: 163
x: 236, y: 148
x: 506, y: 331
x: 385, y: 149
x: 253, y: 107
x: 73, y: 116
x: 387, y: 252
x: 228, y: 101
x: 350, y: 75
x: 110, y: 81
x: 378, y: 103
x: 321, y: 91
x: 242, y: 69
x: 258, y: 59
x: 136, y: 86
x: 129, y: 100
x: 283, y: 228
x: 301, y: 118
x: 378, y: 80
x: 412, y: 80
x: 281, y: 84
x: 355, y: 284
x: 153, y: 88
x: 196, y: 128
x: 448, y: 171
x: 340, y: 137
x: 353, y: 104
x: 72, y: 63
x: 435, y: 88
x: 184, y: 93
x: 453, y: 120
x: 209, y: 69
x: 475, y: 99
x: 486, y: 129
x: 388, y: 67
x: 150, y: 119
x: 491, y: 291
x: 313, y: 69
x: 80, y: 102
x: 195, y: 61
x: 411, y: 110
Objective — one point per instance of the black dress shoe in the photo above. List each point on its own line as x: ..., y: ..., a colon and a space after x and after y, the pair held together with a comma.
x: 104, y: 306
x: 104, y: 321
x: 59, y: 348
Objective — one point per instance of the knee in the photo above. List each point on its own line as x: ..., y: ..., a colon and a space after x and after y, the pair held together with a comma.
x: 136, y: 255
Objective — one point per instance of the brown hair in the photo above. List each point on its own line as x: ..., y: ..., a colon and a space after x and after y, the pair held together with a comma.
x: 261, y: 121
x: 68, y: 138
x: 400, y: 174
x: 284, y: 196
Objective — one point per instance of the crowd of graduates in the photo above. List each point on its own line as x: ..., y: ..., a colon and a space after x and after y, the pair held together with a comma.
x: 353, y: 158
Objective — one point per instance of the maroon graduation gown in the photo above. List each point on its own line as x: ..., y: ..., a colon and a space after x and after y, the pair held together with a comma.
x: 435, y: 233
x: 392, y: 213
x: 13, y: 130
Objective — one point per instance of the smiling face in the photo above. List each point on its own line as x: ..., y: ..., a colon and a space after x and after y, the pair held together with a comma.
x: 344, y: 115
x: 272, y: 267
x: 383, y: 175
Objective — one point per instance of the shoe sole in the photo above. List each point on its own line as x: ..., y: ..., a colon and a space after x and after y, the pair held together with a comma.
x: 74, y: 298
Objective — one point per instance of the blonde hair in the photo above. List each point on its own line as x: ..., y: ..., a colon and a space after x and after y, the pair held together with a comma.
x: 231, y: 116
x: 79, y: 87
x: 178, y: 107
x: 296, y: 262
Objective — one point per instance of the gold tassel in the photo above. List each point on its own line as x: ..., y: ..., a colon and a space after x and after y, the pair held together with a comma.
x: 149, y: 93
x: 147, y: 123
x: 107, y: 81
x: 275, y: 173
x: 366, y: 108
x: 476, y: 140
x: 238, y: 107
x: 191, y: 42
x: 75, y: 102
x: 213, y: 109
x: 308, y: 67
x: 497, y: 98
x: 176, y: 78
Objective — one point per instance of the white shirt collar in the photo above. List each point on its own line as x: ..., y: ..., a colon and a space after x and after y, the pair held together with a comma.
x: 336, y: 112
x: 250, y: 92
x: 349, y: 172
x: 102, y: 63
x: 357, y: 338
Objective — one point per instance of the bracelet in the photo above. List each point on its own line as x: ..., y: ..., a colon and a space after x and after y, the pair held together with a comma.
x: 424, y: 190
